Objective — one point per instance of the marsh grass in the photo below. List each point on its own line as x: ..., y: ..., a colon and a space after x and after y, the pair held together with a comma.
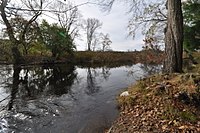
x: 120, y: 57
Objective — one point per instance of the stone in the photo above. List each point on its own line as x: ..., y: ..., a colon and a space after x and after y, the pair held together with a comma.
x: 124, y: 94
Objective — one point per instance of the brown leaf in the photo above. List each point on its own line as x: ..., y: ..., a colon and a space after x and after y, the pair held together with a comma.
x: 164, y: 127
x: 182, y: 127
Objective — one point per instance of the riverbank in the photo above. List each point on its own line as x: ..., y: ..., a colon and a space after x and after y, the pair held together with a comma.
x: 146, y: 56
x: 161, y: 103
x: 99, y: 57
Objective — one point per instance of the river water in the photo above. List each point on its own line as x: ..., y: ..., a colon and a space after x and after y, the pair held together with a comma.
x: 63, y: 98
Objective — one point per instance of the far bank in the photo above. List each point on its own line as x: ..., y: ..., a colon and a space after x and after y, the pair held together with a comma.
x: 93, y: 57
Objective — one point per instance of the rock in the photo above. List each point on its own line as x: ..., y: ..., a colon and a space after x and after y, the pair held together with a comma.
x: 124, y: 94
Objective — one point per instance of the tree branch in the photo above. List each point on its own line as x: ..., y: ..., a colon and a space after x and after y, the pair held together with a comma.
x: 55, y: 11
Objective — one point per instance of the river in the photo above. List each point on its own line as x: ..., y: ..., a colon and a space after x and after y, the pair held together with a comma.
x: 63, y: 98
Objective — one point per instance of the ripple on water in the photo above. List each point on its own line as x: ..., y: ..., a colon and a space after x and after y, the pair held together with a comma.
x: 3, y: 126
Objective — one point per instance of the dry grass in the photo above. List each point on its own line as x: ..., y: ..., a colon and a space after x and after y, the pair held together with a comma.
x: 120, y: 57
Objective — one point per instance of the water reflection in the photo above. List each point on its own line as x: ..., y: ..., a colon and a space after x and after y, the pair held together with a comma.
x: 151, y: 68
x: 143, y: 70
x: 62, y: 97
x: 15, y: 86
x: 31, y: 83
x: 106, y: 73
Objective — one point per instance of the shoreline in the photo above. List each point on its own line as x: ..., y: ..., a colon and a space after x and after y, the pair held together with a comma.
x: 160, y: 103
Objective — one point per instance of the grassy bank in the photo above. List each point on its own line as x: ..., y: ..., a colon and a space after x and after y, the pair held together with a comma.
x: 162, y: 103
x: 97, y: 58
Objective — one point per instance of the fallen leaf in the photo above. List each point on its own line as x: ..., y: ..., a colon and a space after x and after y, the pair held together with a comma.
x: 182, y: 127
x: 164, y: 127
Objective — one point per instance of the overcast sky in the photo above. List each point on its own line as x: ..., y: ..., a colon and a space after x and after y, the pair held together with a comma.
x: 114, y: 23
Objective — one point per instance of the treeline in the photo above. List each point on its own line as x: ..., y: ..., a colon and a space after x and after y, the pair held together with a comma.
x: 27, y: 33
x: 41, y: 40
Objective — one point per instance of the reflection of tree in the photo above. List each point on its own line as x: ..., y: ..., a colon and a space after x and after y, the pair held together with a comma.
x: 92, y: 76
x: 141, y: 70
x: 106, y: 72
x: 6, y: 74
x: 15, y: 85
x: 31, y: 83
x: 61, y: 80
x: 54, y: 80
x: 150, y: 69
x: 91, y: 82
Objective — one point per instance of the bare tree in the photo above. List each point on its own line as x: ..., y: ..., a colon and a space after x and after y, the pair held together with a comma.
x: 26, y: 8
x: 106, y: 42
x: 150, y: 16
x: 69, y: 17
x: 91, y: 26
x: 95, y: 42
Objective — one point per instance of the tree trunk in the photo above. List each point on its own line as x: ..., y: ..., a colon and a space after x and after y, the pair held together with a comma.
x: 174, y: 37
x: 17, y: 57
x: 89, y: 45
x: 15, y: 86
